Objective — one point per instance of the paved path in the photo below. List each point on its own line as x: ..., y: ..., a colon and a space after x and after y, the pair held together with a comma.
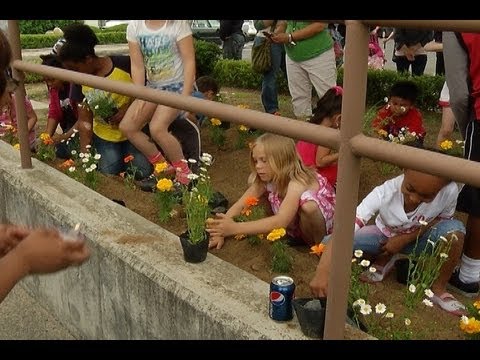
x: 22, y: 318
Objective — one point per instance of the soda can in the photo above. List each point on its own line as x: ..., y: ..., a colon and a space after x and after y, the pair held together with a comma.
x: 282, y: 293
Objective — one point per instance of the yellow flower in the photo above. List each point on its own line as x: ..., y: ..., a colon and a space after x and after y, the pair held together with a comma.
x: 446, y: 144
x: 215, y: 122
x: 44, y: 136
x: 382, y: 133
x: 243, y: 128
x: 243, y: 106
x: 477, y: 304
x: 16, y: 146
x: 276, y: 234
x: 240, y: 237
x: 160, y: 167
x: 472, y: 326
x: 164, y: 184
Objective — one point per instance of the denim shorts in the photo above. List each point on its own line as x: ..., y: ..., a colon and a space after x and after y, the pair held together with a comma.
x: 370, y: 239
x: 175, y: 87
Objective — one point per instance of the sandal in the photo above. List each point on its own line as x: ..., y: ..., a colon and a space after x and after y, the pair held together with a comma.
x: 382, y: 271
x: 447, y: 302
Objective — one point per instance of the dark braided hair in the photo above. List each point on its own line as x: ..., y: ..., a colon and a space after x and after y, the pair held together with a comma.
x: 329, y: 105
x: 80, y: 41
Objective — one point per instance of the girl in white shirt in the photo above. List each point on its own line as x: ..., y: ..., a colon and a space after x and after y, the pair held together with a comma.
x: 413, y: 210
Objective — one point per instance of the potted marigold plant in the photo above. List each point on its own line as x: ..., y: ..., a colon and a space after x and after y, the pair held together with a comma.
x: 195, y: 199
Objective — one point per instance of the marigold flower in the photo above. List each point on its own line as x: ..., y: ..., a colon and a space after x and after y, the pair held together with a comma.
x: 246, y: 212
x: 243, y: 128
x: 251, y: 201
x: 477, y: 304
x: 276, y: 234
x: 215, y: 122
x: 164, y: 184
x: 67, y: 163
x: 317, y: 249
x: 160, y: 167
x: 472, y: 326
x: 446, y: 144
x: 16, y: 146
x: 239, y: 236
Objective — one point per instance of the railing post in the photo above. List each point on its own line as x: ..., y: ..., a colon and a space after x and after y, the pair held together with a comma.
x: 21, y: 113
x: 353, y: 109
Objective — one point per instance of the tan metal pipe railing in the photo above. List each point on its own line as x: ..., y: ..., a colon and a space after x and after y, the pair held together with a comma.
x: 25, y: 154
x: 349, y: 140
x: 251, y: 118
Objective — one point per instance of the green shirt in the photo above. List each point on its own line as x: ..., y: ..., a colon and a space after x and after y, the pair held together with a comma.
x: 307, y: 49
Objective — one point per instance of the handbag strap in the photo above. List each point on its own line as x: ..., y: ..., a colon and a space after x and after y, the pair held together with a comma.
x: 273, y: 26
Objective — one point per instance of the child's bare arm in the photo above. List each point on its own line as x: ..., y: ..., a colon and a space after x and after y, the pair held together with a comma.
x: 325, y: 157
x: 255, y: 190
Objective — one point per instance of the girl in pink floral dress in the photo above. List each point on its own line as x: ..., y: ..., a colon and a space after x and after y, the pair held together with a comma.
x: 302, y: 201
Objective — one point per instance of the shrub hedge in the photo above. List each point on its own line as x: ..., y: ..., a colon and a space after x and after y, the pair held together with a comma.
x: 239, y: 73
x: 41, y: 26
x: 40, y: 41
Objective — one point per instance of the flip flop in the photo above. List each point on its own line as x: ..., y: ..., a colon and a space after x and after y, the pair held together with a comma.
x: 382, y: 271
x: 447, y: 302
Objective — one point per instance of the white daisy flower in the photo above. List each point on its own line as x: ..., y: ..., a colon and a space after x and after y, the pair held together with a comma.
x: 412, y: 288
x: 380, y: 308
x: 358, y: 253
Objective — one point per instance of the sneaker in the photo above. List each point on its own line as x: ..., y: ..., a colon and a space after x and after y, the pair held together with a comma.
x: 148, y: 184
x: 469, y: 290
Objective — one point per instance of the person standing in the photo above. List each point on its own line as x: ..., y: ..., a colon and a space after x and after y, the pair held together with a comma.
x: 410, y: 51
x: 461, y: 53
x: 310, y: 60
x: 277, y: 53
x: 233, y: 38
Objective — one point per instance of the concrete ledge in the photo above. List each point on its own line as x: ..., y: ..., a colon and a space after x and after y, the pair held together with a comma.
x: 136, y: 284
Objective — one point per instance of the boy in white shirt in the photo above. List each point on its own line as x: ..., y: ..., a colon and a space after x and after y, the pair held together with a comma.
x: 403, y: 204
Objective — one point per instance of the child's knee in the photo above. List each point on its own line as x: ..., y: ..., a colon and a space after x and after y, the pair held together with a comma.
x: 310, y: 208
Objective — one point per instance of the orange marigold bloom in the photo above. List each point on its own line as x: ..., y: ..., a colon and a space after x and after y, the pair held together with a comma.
x: 246, y: 212
x: 251, y: 201
x: 317, y: 249
x: 66, y: 164
x: 128, y: 158
x: 240, y: 237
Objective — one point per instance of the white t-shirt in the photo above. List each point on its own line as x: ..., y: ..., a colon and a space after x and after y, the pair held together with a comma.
x: 387, y: 200
x: 163, y: 63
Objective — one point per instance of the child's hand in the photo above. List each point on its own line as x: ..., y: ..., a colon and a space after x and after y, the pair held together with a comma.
x: 10, y: 236
x: 216, y: 242
x: 222, y: 226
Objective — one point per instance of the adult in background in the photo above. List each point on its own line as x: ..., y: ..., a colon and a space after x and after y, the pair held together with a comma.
x: 410, y: 51
x: 277, y: 51
x: 461, y: 53
x: 233, y: 38
x: 310, y: 60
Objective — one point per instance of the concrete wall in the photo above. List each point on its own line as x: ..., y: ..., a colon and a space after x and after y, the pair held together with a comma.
x: 136, y: 284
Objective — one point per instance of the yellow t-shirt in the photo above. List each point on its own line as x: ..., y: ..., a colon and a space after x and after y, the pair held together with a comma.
x: 104, y: 102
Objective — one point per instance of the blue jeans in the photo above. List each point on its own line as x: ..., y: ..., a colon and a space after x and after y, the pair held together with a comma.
x: 370, y: 240
x: 113, y: 154
x: 269, y: 81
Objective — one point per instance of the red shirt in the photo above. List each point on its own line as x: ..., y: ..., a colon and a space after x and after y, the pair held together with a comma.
x: 472, y: 42
x: 308, y: 154
x: 412, y: 120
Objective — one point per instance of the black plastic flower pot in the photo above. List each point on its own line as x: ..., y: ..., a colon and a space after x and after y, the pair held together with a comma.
x: 194, y: 253
x: 311, y: 315
x: 401, y: 267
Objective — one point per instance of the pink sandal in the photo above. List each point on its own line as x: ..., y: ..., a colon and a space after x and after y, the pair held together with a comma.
x: 447, y: 302
x: 382, y: 271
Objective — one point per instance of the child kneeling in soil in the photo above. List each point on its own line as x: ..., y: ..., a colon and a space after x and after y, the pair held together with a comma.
x: 412, y: 206
x: 302, y: 201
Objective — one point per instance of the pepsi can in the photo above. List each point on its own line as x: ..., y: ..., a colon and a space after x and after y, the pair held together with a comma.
x: 282, y: 292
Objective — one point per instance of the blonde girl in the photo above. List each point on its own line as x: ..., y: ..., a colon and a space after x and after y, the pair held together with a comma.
x: 301, y: 201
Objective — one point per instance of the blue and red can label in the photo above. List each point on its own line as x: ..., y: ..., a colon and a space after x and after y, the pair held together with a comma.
x: 282, y: 293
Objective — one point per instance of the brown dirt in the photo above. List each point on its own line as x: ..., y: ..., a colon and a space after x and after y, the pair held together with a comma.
x: 229, y: 175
